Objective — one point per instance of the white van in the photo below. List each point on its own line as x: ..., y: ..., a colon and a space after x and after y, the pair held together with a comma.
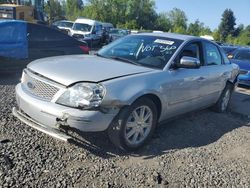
x: 87, y: 30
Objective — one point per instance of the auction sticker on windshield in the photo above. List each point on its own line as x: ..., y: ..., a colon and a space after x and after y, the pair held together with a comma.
x: 161, y: 41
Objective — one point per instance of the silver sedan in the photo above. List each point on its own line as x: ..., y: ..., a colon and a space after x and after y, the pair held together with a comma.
x: 127, y: 88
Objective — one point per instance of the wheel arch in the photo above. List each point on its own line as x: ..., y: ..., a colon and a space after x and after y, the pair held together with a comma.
x: 156, y: 100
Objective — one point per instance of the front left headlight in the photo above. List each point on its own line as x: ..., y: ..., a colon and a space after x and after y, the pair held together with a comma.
x: 83, y: 95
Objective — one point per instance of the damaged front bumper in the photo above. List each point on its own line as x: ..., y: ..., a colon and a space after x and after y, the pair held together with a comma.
x: 48, y: 117
x: 48, y: 130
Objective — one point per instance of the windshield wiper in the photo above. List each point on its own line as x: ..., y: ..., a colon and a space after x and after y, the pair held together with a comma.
x: 119, y: 58
x: 124, y: 60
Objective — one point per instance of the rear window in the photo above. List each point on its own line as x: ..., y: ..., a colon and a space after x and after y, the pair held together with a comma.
x: 43, y: 33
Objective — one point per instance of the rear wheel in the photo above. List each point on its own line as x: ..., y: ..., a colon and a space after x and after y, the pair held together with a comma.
x: 134, y: 125
x: 224, y: 100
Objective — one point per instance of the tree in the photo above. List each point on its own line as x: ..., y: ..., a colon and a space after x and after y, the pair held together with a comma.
x: 73, y: 9
x: 244, y: 37
x: 144, y: 12
x: 227, y: 24
x: 122, y: 12
x: 178, y: 20
x: 54, y: 10
x: 197, y: 29
x: 162, y: 22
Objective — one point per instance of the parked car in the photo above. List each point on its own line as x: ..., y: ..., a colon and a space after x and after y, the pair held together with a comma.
x: 87, y: 30
x: 126, y: 88
x: 63, y: 25
x: 241, y: 57
x: 106, y: 29
x: 27, y: 41
x: 229, y: 49
x: 115, y: 34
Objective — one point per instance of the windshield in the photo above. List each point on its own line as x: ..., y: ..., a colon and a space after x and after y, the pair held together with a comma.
x: 149, y: 51
x: 119, y: 32
x: 82, y: 27
x: 65, y: 24
x: 242, y: 55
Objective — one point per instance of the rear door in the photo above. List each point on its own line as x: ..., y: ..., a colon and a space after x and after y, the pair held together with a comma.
x: 217, y: 73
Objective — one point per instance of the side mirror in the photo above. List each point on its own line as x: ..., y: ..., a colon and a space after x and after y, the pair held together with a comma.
x: 230, y: 56
x: 189, y: 63
x: 93, y: 32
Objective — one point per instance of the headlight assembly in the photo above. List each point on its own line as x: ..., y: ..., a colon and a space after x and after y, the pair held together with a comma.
x: 83, y: 95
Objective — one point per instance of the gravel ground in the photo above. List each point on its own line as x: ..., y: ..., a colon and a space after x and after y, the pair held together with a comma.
x: 201, y: 149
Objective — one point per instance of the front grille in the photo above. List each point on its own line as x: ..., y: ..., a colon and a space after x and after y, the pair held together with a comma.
x: 38, y: 88
x: 243, y: 71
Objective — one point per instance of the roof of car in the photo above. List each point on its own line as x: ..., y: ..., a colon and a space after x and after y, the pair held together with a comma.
x: 172, y: 35
x: 11, y: 5
x: 86, y: 21
x: 64, y: 21
x: 11, y: 21
x: 106, y: 24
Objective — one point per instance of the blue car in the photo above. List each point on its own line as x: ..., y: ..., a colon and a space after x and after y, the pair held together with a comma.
x: 23, y: 40
x: 241, y: 57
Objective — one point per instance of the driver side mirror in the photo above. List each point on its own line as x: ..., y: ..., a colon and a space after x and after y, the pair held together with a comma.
x: 189, y: 63
x: 93, y: 32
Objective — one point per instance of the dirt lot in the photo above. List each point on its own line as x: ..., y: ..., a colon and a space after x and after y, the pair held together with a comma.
x: 201, y: 149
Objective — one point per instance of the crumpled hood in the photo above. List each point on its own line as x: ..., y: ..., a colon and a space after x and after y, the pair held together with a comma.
x: 77, y: 68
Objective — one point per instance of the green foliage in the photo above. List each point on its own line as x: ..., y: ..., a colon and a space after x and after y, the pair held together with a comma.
x: 178, y: 20
x: 242, y: 39
x: 54, y: 10
x: 74, y: 9
x: 198, y: 29
x: 139, y: 14
x: 227, y: 24
x: 128, y: 25
x: 162, y: 22
x: 216, y: 35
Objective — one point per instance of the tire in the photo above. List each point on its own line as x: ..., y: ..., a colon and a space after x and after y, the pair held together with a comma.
x: 224, y: 100
x: 129, y: 134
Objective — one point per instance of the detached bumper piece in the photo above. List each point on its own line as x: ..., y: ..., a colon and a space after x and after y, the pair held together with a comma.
x: 43, y: 128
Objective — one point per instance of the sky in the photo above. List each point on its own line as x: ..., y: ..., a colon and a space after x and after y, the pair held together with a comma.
x: 208, y: 11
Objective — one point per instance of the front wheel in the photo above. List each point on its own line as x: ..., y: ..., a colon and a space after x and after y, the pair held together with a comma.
x: 224, y: 100
x: 134, y: 125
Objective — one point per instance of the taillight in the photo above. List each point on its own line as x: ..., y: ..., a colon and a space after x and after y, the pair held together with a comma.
x: 85, y: 49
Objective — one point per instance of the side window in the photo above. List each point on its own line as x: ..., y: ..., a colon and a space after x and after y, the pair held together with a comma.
x: 43, y: 33
x: 192, y: 50
x: 212, y: 54
x: 98, y: 28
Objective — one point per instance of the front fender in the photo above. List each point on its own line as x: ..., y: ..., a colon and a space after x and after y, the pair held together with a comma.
x: 124, y: 91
